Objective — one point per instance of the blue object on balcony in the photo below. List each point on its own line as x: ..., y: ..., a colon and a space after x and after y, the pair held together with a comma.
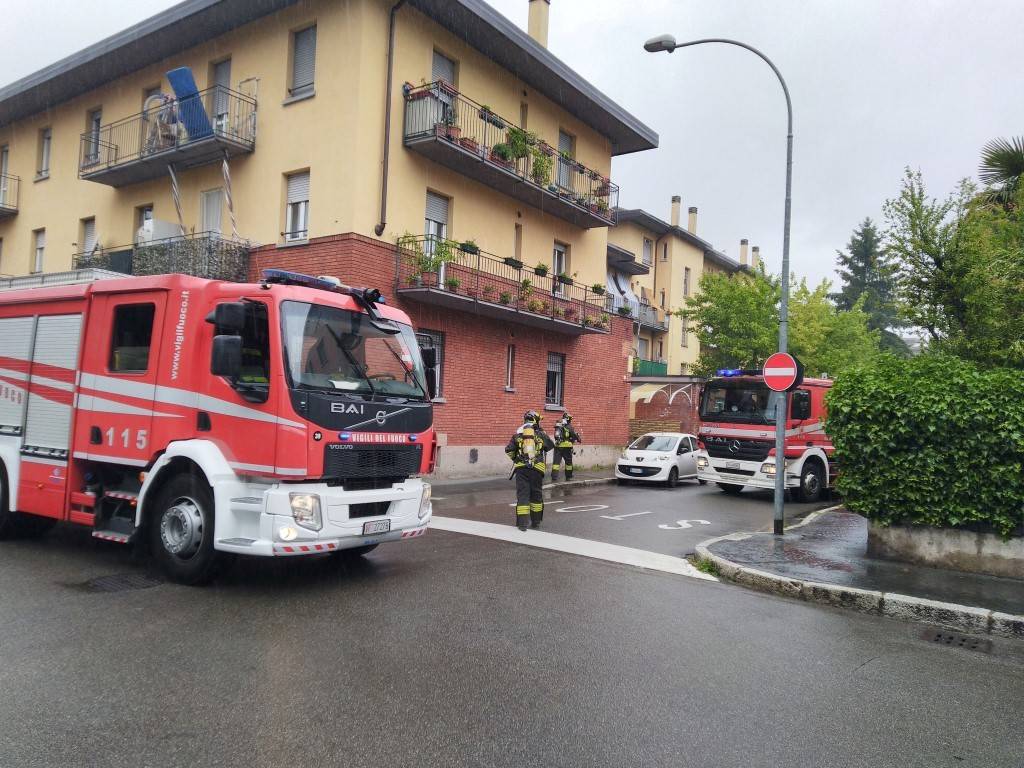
x: 191, y: 111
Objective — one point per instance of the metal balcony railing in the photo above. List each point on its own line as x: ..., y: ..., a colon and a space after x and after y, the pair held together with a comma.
x: 646, y: 315
x: 460, y: 275
x: 643, y: 367
x: 457, y: 131
x: 203, y: 254
x: 186, y: 132
x: 9, y: 188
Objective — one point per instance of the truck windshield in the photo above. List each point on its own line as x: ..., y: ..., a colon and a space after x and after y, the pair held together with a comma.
x: 740, y: 401
x: 339, y: 350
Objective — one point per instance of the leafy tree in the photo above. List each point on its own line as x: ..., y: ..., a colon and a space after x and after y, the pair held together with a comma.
x: 922, y: 242
x: 867, y: 277
x: 1002, y: 166
x: 825, y: 338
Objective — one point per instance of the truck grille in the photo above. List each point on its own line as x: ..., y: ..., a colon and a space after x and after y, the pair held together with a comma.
x: 737, y: 450
x: 345, y: 461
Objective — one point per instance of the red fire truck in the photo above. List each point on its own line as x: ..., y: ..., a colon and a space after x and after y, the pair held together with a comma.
x: 203, y: 417
x: 737, y: 435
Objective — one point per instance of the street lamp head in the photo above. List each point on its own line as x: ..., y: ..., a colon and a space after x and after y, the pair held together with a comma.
x: 660, y: 43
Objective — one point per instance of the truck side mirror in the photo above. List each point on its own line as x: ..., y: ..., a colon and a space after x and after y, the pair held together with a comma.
x: 228, y: 317
x: 226, y: 356
x: 801, y: 405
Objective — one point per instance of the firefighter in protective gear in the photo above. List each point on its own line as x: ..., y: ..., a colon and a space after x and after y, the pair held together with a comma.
x: 565, y: 436
x: 526, y: 449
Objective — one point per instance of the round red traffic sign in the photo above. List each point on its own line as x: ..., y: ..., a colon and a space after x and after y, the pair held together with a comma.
x: 782, y: 372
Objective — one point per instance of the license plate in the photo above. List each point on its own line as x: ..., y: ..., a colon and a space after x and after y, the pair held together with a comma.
x: 376, y: 526
x: 635, y: 470
x: 732, y: 465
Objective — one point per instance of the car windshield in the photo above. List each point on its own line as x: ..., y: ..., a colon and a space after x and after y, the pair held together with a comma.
x: 739, y: 401
x: 338, y: 350
x: 655, y: 443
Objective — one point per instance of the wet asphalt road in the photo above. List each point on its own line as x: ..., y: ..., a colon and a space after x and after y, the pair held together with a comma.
x: 451, y: 650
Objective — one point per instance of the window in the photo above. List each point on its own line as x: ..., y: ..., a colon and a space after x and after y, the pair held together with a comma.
x: 220, y: 78
x: 303, y: 62
x: 436, y: 217
x: 685, y: 322
x: 510, y: 367
x: 131, y: 339
x: 4, y: 184
x: 143, y: 220
x: 442, y: 69
x: 554, y: 388
x: 643, y: 349
x: 517, y: 245
x: 256, y: 349
x: 45, y: 142
x: 148, y: 92
x: 296, y: 225
x: 566, y: 148
x: 87, y: 237
x: 648, y: 252
x: 559, y: 265
x: 38, y: 249
x: 661, y: 350
x: 524, y: 114
x: 664, y: 251
x: 93, y: 123
x: 686, y: 281
x: 435, y: 340
x: 210, y: 205
x: 661, y: 300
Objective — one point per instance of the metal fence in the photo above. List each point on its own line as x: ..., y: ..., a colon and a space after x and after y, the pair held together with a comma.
x: 9, y: 187
x: 462, y: 269
x: 204, y: 254
x: 216, y: 112
x: 438, y: 109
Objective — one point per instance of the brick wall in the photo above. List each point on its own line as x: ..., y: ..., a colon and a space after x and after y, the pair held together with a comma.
x: 478, y: 410
x: 675, y: 407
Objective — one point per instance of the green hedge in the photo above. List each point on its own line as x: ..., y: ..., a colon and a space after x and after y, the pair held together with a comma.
x: 931, y: 441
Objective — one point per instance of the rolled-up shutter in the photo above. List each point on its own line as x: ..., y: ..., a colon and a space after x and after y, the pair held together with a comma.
x: 443, y: 69
x: 88, y: 235
x: 437, y: 208
x: 304, y: 60
x: 48, y: 421
x: 298, y: 187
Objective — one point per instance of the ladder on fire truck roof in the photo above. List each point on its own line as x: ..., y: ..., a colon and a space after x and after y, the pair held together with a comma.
x: 48, y: 279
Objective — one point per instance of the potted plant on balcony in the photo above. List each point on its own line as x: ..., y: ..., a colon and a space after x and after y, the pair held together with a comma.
x: 602, y: 207
x: 564, y: 279
x: 559, y: 313
x: 512, y: 262
x: 533, y: 306
x: 505, y: 297
x: 569, y: 312
x: 412, y: 93
x: 605, y: 187
x: 545, y: 308
x: 451, y: 128
x: 452, y: 284
x: 488, y: 116
x: 501, y: 154
x: 541, y: 269
x: 597, y: 289
x: 541, y: 171
x: 525, y: 288
x: 488, y: 291
x: 469, y: 246
x: 470, y: 144
x: 588, y: 321
x: 545, y: 149
x: 520, y: 142
x: 625, y: 311
x: 604, y: 322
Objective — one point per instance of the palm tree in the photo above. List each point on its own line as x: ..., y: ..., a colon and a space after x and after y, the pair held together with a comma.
x: 1002, y: 166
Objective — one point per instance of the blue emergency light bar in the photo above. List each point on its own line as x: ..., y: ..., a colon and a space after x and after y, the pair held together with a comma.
x: 286, y: 277
x: 727, y: 372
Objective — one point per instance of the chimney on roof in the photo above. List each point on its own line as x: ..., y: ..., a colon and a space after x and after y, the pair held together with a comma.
x: 537, y: 26
x: 743, y: 252
x: 755, y: 257
x: 692, y: 223
x: 677, y: 201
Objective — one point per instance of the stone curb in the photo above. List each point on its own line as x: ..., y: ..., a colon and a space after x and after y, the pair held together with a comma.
x: 585, y: 482
x: 964, y: 618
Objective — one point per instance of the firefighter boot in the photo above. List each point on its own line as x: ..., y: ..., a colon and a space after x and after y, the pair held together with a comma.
x: 536, y: 515
x: 522, y: 516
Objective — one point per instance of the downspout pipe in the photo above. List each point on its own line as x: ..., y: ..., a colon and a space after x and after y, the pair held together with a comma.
x: 379, y: 229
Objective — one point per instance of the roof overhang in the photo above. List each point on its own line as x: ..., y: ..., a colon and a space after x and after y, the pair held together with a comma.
x: 625, y: 261
x: 660, y: 227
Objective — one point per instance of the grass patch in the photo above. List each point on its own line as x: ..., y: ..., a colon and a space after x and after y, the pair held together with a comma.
x: 705, y: 566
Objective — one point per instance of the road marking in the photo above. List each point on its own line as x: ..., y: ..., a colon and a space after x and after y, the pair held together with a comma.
x: 439, y: 498
x: 682, y: 524
x: 598, y: 550
x: 623, y: 517
x: 585, y: 508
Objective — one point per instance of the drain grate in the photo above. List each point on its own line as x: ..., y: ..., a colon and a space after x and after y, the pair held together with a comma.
x: 122, y: 582
x: 954, y: 640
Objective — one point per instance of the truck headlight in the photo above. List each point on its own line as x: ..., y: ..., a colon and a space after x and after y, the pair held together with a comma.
x: 306, y: 510
x: 768, y: 468
x: 702, y: 462
x: 425, y: 505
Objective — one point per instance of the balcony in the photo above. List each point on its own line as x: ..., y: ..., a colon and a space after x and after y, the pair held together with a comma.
x: 9, y: 186
x: 204, y: 254
x: 459, y: 276
x: 643, y: 367
x: 646, y: 316
x: 467, y: 137
x: 185, y: 133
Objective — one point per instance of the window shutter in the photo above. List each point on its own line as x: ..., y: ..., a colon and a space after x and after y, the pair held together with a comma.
x: 221, y: 79
x: 304, y: 59
x: 564, y: 142
x: 88, y: 235
x: 443, y: 69
x: 437, y: 208
x: 298, y: 187
x: 41, y: 238
x: 212, y: 205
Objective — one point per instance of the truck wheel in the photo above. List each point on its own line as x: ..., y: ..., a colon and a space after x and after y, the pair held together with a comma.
x: 812, y: 483
x: 732, y: 490
x: 701, y: 481
x: 181, y: 531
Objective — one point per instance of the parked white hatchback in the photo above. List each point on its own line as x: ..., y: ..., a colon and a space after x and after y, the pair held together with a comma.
x: 659, y: 457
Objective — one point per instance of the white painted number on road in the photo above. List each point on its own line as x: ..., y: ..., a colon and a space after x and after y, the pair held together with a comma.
x: 681, y: 524
x: 584, y: 508
x: 623, y: 517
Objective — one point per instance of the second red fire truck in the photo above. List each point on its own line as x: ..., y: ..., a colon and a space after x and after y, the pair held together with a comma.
x: 737, y: 435
x: 286, y: 417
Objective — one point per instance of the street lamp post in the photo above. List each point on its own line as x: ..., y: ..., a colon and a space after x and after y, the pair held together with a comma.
x: 668, y: 44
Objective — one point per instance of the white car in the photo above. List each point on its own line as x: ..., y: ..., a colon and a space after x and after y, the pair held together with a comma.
x: 659, y: 457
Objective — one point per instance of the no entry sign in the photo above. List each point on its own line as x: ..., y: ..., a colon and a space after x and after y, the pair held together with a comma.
x: 783, y: 372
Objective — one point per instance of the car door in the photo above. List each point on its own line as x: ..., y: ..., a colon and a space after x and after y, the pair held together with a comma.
x: 687, y: 462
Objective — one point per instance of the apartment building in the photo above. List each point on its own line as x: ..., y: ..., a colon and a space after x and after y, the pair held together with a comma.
x: 653, y: 267
x: 427, y: 147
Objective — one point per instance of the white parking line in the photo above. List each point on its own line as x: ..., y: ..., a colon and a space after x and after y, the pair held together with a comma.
x: 599, y: 550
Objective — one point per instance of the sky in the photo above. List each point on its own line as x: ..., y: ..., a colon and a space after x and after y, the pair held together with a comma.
x: 877, y: 85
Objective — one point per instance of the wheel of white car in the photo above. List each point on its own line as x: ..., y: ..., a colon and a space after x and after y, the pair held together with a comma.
x: 673, y: 478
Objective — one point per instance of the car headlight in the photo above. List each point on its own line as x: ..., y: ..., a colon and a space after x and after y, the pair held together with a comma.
x: 306, y: 510
x: 666, y: 458
x: 702, y: 462
x: 425, y: 505
x: 768, y: 468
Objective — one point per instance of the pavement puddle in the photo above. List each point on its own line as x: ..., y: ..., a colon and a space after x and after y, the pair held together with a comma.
x: 556, y: 542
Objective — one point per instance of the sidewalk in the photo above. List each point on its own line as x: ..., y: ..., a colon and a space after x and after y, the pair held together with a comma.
x: 501, y: 482
x: 823, y: 560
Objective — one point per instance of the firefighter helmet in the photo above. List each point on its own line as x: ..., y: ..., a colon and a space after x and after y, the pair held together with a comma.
x: 531, y: 417
x: 567, y: 416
